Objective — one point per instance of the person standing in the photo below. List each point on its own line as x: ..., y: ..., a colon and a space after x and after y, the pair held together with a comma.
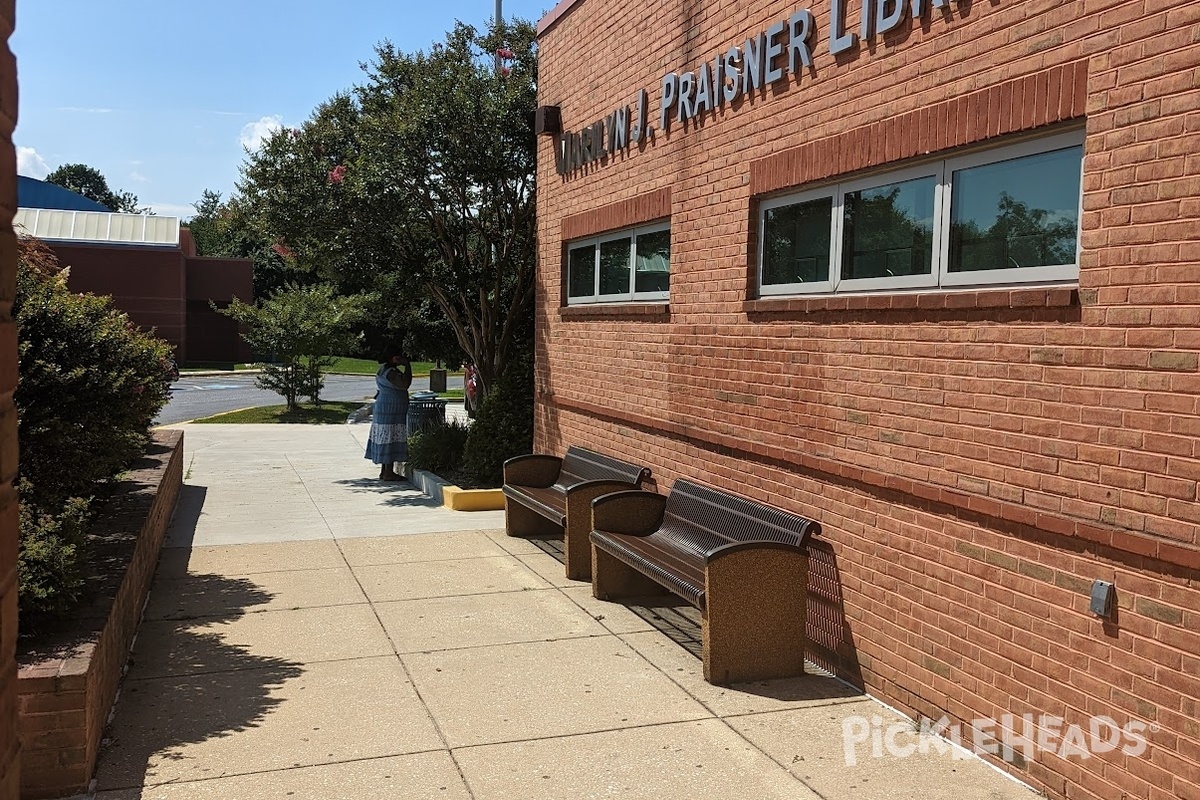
x: 388, y: 440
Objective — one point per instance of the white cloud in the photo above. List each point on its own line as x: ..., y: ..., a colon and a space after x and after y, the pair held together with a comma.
x: 30, y: 164
x: 78, y: 110
x: 255, y: 133
x: 139, y: 177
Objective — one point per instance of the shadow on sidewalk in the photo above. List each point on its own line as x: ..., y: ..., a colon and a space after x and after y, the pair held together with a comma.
x: 182, y: 530
x: 200, y: 687
x: 400, y: 494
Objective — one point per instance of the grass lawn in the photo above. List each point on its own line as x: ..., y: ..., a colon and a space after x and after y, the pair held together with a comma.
x: 330, y: 413
x: 368, y: 366
x: 327, y: 414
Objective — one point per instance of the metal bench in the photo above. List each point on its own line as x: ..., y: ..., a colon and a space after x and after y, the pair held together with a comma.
x: 547, y: 495
x: 742, y: 563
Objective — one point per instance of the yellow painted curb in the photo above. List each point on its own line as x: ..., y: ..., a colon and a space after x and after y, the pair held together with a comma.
x: 457, y: 499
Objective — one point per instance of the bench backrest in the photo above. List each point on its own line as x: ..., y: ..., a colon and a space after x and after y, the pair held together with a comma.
x: 700, y: 519
x: 581, y: 465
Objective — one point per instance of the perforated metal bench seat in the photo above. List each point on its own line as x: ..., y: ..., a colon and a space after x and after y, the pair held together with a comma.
x: 548, y: 495
x: 550, y: 502
x: 742, y: 563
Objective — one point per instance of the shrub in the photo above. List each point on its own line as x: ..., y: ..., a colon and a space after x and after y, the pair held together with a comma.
x: 438, y: 448
x: 90, y: 384
x: 504, y: 425
x: 51, y: 561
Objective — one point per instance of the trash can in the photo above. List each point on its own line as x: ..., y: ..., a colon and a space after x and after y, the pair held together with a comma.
x: 437, y: 380
x: 424, y: 409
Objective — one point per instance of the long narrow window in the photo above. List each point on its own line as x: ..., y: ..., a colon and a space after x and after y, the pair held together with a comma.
x: 628, y: 265
x: 1003, y: 216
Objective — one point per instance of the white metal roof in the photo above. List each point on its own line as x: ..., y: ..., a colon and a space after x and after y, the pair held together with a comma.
x: 97, y: 226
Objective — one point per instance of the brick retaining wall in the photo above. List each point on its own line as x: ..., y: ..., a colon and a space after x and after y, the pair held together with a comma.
x: 66, y: 694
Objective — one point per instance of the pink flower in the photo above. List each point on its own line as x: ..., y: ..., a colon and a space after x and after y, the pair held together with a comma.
x: 504, y: 53
x: 505, y: 71
x: 282, y: 249
x: 337, y: 174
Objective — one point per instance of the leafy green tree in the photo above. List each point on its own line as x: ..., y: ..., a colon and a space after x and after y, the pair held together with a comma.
x: 221, y: 229
x: 89, y: 182
x: 301, y: 328
x: 419, y: 186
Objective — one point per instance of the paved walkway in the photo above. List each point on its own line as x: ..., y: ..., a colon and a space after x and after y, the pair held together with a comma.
x: 313, y: 633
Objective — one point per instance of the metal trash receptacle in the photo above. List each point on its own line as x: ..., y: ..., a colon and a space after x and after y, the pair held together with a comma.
x: 424, y: 409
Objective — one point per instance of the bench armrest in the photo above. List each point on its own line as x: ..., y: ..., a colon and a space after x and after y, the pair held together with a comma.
x: 737, y: 547
x: 635, y: 512
x: 534, y: 470
x: 601, y: 485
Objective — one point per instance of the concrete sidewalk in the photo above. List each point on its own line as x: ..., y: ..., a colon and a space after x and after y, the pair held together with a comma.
x: 314, y: 633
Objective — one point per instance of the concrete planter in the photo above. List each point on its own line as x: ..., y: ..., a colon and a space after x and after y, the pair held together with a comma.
x: 453, y: 497
x: 67, y: 683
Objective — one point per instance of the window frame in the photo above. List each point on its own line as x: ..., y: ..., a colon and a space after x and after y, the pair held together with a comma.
x: 816, y: 287
x: 1053, y: 273
x: 631, y: 296
x: 939, y: 277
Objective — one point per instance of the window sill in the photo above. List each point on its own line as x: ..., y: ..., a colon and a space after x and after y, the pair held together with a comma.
x: 1045, y: 297
x: 651, y: 312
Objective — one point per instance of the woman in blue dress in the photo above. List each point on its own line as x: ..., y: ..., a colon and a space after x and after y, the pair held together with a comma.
x: 388, y: 441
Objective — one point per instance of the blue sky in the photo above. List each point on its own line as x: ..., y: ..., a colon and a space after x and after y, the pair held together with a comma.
x: 162, y: 95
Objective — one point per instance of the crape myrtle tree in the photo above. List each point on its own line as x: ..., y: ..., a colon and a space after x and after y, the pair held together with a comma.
x: 418, y: 185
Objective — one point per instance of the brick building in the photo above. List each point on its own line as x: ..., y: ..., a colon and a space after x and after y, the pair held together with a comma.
x: 932, y: 278
x: 149, y: 266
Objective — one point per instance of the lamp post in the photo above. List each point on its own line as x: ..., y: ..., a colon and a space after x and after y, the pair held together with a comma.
x: 499, y: 19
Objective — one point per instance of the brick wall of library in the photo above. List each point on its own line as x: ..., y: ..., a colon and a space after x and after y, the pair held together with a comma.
x: 9, y: 767
x: 976, y: 459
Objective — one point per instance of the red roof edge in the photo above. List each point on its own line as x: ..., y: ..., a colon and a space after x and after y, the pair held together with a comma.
x: 554, y: 15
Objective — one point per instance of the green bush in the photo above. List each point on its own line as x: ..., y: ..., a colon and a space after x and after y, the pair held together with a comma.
x: 438, y: 448
x: 90, y: 385
x: 51, y: 562
x: 504, y: 426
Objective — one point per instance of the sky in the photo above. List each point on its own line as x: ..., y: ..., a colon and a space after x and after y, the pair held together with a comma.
x: 163, y: 96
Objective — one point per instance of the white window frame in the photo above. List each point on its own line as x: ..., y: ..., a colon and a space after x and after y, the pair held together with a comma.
x: 939, y: 276
x: 824, y: 286
x: 875, y: 181
x: 1047, y: 274
x: 579, y: 245
x: 630, y: 296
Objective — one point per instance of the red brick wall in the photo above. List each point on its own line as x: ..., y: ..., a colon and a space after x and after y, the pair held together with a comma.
x: 9, y: 764
x: 146, y: 283
x: 65, y: 699
x: 976, y: 459
x: 212, y: 336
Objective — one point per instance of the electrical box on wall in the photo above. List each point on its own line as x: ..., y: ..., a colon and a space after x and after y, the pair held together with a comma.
x: 1103, y: 599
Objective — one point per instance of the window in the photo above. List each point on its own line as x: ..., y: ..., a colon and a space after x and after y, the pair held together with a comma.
x: 632, y: 264
x: 1006, y: 215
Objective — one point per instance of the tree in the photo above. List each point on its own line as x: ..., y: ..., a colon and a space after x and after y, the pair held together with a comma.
x: 301, y: 327
x: 419, y: 185
x: 89, y: 182
x: 222, y: 229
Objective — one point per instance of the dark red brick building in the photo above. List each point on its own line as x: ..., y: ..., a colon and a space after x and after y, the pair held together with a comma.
x: 932, y: 278
x: 159, y: 282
